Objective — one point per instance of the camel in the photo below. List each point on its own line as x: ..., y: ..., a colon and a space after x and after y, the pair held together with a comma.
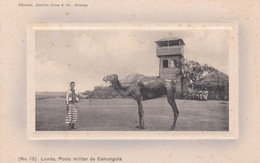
x: 140, y: 87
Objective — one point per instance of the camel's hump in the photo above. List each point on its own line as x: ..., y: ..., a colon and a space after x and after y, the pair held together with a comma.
x: 133, y: 78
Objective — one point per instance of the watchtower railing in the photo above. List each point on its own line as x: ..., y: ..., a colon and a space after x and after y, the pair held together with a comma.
x: 169, y: 50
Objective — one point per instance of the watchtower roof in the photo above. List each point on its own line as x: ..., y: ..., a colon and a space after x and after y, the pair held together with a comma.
x: 169, y: 39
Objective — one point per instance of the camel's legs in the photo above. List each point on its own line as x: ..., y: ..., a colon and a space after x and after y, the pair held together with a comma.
x: 138, y: 98
x: 172, y: 102
x: 175, y: 111
x: 141, y: 114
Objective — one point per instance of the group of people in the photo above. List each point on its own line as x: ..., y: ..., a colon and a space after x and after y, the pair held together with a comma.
x: 202, y: 94
x: 197, y: 94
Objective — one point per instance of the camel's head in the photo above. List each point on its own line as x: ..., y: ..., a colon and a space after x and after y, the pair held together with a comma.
x: 111, y: 79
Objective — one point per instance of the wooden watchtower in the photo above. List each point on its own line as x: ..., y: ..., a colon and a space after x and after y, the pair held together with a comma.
x: 170, y: 51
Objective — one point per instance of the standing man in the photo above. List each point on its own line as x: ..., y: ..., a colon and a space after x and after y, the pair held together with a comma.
x: 72, y: 99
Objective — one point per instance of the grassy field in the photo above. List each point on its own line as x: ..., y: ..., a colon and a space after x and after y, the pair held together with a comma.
x: 122, y: 115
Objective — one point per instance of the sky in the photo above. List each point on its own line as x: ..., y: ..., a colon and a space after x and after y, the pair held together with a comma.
x: 87, y: 56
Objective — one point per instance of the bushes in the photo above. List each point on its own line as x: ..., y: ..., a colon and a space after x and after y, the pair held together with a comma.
x: 48, y: 95
x: 194, y: 71
x: 103, y: 93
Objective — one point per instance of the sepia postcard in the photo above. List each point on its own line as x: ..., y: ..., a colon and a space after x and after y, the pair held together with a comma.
x: 132, y: 80
x: 129, y: 81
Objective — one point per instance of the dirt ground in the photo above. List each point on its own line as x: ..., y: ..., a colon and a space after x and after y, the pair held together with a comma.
x: 122, y: 115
